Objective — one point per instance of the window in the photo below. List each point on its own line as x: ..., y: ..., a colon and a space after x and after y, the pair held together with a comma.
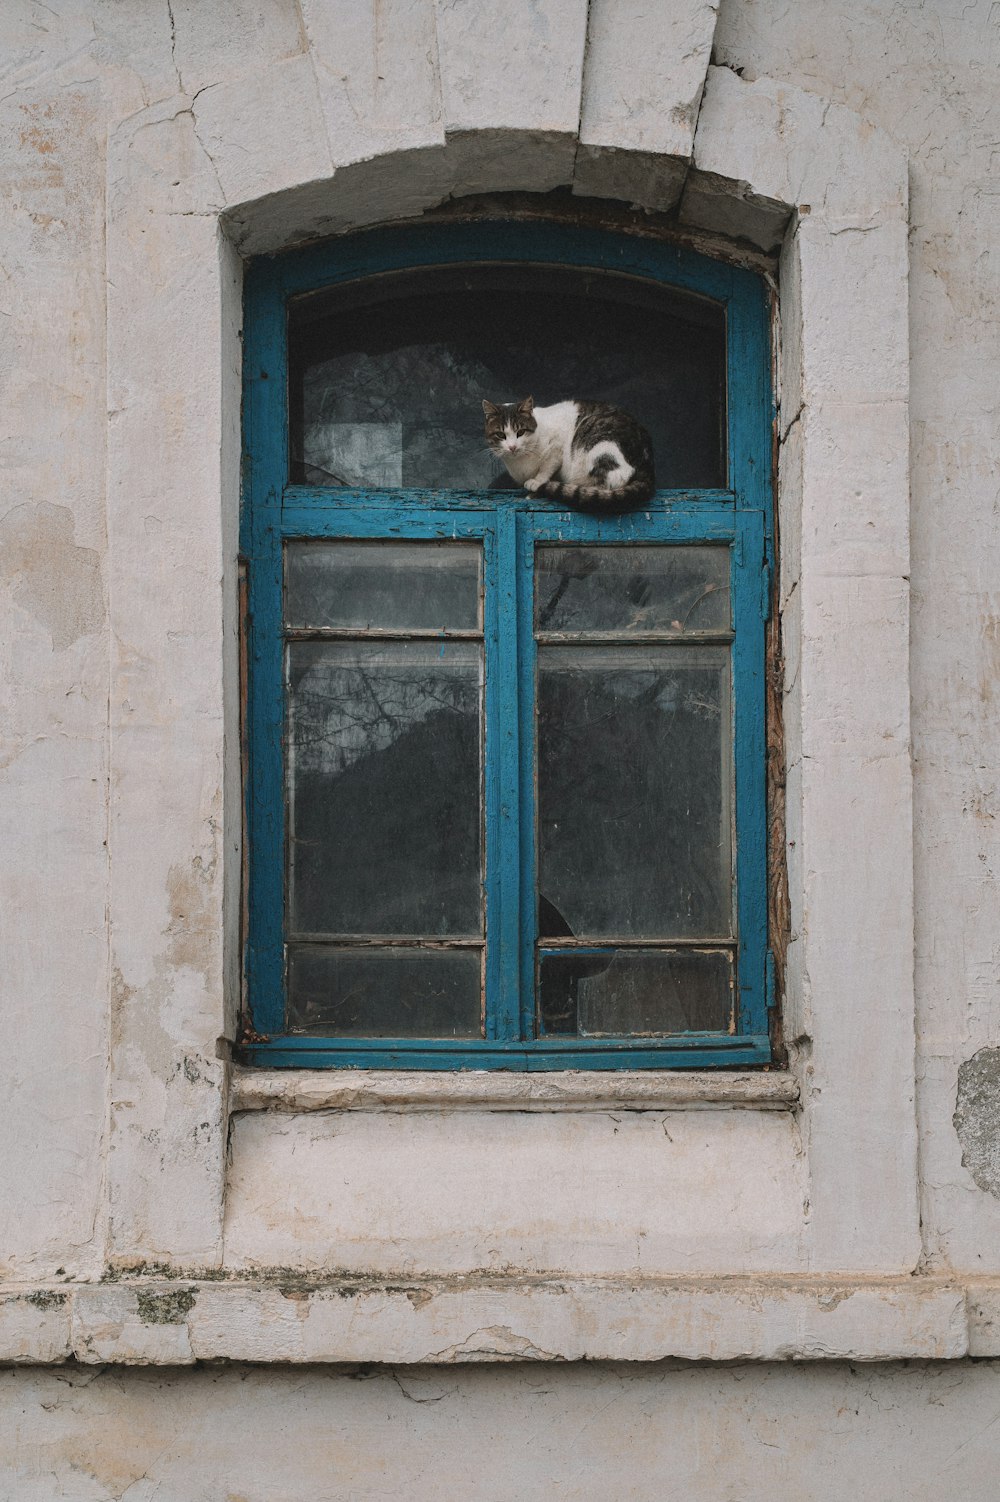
x: 505, y: 776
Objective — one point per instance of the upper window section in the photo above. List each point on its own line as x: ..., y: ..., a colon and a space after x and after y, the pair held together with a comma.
x: 387, y: 377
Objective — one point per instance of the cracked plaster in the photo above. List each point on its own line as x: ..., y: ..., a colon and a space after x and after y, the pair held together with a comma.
x: 266, y: 131
x: 134, y: 481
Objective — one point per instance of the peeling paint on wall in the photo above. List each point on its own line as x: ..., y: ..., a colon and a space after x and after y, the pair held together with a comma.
x: 977, y: 1118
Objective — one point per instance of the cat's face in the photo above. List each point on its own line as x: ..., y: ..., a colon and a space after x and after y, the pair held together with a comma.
x: 509, y: 426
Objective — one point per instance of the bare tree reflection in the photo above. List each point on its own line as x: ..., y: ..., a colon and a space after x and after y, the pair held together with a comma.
x: 384, y: 787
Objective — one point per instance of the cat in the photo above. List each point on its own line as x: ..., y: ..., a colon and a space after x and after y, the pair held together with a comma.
x: 590, y: 453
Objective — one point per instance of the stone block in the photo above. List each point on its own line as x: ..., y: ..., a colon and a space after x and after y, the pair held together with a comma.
x: 212, y: 43
x: 848, y: 622
x: 512, y: 64
x: 654, y: 59
x: 723, y: 207
x: 855, y: 460
x: 853, y: 318
x: 265, y: 130
x: 35, y: 1326
x: 378, y: 75
x: 787, y: 146
x: 133, y: 1327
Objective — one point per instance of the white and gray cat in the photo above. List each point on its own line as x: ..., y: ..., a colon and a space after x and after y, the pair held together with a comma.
x: 589, y: 453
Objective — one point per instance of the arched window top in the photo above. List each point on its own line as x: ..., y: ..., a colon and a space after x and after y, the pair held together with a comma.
x: 387, y: 375
x: 384, y: 343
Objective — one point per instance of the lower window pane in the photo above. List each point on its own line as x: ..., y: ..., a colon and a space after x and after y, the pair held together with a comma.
x: 634, y: 754
x: 614, y: 992
x: 384, y: 993
x: 383, y: 786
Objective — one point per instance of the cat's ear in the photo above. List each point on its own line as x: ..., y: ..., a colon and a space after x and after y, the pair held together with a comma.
x: 489, y: 408
x: 528, y: 405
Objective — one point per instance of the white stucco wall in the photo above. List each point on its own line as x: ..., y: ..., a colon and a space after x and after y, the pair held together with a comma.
x: 146, y: 146
x: 927, y: 74
x: 584, y: 1433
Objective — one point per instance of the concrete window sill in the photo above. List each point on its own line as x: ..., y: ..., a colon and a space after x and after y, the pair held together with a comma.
x: 575, y: 1090
x: 278, y: 1316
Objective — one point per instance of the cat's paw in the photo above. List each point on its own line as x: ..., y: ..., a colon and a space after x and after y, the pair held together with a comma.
x: 533, y: 485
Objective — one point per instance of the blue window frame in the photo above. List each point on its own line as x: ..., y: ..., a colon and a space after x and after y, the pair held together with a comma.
x: 509, y: 532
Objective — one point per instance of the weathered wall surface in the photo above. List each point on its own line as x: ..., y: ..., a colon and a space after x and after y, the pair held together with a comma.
x: 731, y: 1434
x: 215, y: 146
x: 689, y: 1200
x: 927, y: 74
x: 123, y: 137
x: 54, y: 654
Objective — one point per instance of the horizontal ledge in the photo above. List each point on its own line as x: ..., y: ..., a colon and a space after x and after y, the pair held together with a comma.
x: 479, y: 1090
x: 381, y: 941
x: 377, y: 633
x: 427, y: 497
x: 680, y: 638
x: 683, y: 525
x: 581, y: 638
x: 550, y: 944
x: 274, y: 1316
x: 545, y: 944
x: 560, y: 1054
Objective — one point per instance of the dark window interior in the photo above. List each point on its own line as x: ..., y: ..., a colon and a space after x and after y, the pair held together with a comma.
x: 386, y: 377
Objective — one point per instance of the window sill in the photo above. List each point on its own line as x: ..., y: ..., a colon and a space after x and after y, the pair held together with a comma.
x: 479, y: 1090
x: 277, y: 1316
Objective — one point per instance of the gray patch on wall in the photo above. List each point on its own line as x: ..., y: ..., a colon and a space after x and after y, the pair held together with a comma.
x: 54, y: 578
x: 977, y: 1118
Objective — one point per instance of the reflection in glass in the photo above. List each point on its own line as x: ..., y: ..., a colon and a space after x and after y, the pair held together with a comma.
x: 384, y: 993
x: 635, y: 991
x: 392, y: 585
x: 634, y: 789
x: 383, y: 788
x: 386, y: 377
x: 634, y: 589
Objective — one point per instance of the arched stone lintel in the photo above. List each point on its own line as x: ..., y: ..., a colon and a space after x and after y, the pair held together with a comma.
x: 404, y: 183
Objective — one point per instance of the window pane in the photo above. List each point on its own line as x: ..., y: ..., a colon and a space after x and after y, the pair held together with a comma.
x: 640, y: 589
x: 392, y: 585
x: 387, y: 377
x: 384, y: 788
x: 634, y: 792
x: 385, y: 993
x: 635, y: 991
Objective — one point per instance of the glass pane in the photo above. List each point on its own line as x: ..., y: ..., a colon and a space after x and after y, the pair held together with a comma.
x: 635, y: 991
x: 383, y: 788
x: 387, y: 377
x: 392, y: 585
x: 384, y: 993
x: 634, y: 778
x: 632, y: 589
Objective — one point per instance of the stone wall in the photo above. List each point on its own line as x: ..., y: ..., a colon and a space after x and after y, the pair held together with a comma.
x: 846, y: 1206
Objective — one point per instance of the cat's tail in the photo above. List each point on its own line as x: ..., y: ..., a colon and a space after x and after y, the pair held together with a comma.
x: 600, y: 497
